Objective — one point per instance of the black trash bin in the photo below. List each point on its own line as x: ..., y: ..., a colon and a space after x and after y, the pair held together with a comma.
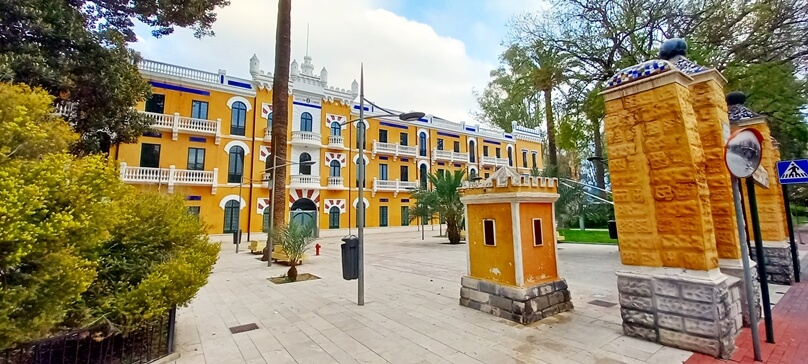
x: 612, y: 229
x: 350, y: 257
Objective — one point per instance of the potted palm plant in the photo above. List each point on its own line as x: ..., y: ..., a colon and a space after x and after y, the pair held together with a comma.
x: 294, y: 240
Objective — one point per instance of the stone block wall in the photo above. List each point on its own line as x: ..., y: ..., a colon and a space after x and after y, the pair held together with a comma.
x: 778, y: 260
x: 738, y: 273
x: 678, y: 312
x: 522, y: 305
x: 713, y: 126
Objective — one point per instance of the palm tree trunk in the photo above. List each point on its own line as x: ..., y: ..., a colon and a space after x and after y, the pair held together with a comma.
x: 548, y: 112
x: 452, y: 231
x: 291, y: 275
x: 280, y: 106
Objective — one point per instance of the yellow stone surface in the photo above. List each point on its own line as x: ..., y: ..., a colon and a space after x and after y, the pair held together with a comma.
x: 771, y: 207
x: 713, y: 124
x: 661, y: 196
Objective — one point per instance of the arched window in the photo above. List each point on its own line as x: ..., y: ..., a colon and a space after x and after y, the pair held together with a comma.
x: 422, y: 144
x: 305, y: 168
x: 305, y: 122
x: 333, y: 217
x: 333, y: 170
x: 238, y: 118
x: 269, y: 120
x: 510, y: 157
x: 472, y: 174
x: 267, y: 216
x: 231, y: 216
x: 472, y: 152
x: 423, y: 173
x: 336, y: 129
x: 236, y: 168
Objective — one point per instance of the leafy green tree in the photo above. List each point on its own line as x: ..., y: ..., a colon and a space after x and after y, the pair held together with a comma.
x: 28, y: 128
x: 77, y: 51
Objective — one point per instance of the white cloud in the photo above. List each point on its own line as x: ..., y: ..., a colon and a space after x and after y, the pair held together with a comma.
x: 407, y: 65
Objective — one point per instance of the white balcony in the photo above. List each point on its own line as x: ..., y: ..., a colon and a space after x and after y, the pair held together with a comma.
x: 304, y: 180
x: 395, y: 186
x: 335, y: 182
x: 267, y: 134
x: 336, y: 141
x: 493, y: 161
x: 449, y: 156
x: 306, y: 137
x: 177, y: 123
x: 169, y: 176
x: 396, y: 150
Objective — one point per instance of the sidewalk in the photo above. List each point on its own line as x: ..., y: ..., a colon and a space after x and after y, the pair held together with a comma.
x: 790, y: 323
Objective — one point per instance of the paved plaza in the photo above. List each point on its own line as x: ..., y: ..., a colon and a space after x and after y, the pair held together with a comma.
x: 411, y: 312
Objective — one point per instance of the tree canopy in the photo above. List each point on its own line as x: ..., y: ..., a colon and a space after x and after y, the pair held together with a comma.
x: 77, y: 51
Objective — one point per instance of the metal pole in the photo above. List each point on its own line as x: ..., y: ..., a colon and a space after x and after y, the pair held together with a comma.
x: 360, y: 171
x: 764, y: 285
x: 272, y: 216
x: 795, y: 254
x: 238, y: 239
x: 747, y: 274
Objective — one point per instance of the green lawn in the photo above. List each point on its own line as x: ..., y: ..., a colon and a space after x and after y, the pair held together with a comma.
x: 586, y: 237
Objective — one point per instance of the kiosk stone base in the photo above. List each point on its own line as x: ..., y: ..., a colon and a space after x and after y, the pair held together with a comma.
x: 701, y: 314
x: 522, y: 305
x: 734, y: 267
x: 778, y: 260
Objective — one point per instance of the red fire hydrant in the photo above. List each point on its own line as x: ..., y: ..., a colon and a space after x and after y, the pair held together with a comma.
x: 317, y: 249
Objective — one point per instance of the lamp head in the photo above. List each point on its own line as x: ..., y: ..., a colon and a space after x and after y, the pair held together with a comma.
x: 410, y: 116
x: 592, y: 159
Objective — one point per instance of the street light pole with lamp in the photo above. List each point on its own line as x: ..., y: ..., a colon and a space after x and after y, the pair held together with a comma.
x: 268, y: 248
x: 360, y: 171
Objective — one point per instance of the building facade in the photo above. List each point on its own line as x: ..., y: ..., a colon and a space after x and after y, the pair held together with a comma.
x: 212, y: 137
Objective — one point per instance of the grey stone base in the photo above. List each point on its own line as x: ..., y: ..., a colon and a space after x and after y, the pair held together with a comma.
x: 777, y: 258
x: 678, y: 311
x: 522, y: 305
x: 737, y: 272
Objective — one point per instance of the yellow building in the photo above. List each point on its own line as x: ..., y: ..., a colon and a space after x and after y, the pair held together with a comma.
x: 212, y: 143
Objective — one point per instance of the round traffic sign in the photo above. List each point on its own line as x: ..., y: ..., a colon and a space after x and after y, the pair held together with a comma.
x: 743, y: 152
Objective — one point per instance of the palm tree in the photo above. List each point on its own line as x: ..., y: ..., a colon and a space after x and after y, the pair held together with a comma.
x: 280, y: 109
x: 447, y: 201
x: 425, y: 206
x: 294, y: 240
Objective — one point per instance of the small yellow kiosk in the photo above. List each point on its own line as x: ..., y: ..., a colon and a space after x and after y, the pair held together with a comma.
x: 512, y: 256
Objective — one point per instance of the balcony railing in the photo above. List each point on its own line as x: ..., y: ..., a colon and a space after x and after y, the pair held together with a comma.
x: 335, y: 182
x: 305, y: 180
x: 177, y: 123
x: 396, y: 150
x: 493, y: 161
x: 447, y: 155
x: 170, y: 176
x: 396, y: 186
x: 306, y: 137
x: 336, y: 141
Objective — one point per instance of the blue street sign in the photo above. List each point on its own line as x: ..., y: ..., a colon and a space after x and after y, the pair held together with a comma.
x: 793, y: 172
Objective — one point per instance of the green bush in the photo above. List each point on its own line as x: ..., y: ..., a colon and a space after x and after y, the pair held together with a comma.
x: 77, y: 246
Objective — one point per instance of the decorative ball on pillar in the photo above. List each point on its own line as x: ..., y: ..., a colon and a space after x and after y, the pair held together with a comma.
x: 674, y: 50
x: 736, y: 108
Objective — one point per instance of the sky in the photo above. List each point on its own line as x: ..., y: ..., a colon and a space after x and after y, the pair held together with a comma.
x: 418, y: 55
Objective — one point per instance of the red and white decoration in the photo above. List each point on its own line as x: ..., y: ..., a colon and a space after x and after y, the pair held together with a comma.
x: 330, y: 118
x: 264, y: 153
x: 266, y: 109
x: 263, y: 203
x: 340, y: 204
x: 339, y: 157
x: 313, y: 195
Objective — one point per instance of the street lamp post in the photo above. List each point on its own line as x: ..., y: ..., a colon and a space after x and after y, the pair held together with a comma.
x: 272, y: 204
x: 360, y: 171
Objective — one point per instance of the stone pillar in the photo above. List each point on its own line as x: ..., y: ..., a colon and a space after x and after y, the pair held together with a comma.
x: 771, y: 207
x: 710, y: 107
x: 513, y: 264
x: 670, y: 288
